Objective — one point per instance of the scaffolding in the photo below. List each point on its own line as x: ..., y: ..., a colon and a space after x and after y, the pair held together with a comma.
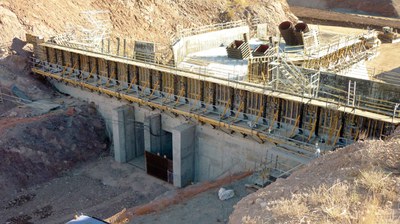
x: 89, y: 37
x: 338, y: 55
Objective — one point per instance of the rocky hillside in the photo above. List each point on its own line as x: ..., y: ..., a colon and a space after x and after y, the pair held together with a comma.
x: 390, y: 8
x: 356, y: 184
x: 152, y: 20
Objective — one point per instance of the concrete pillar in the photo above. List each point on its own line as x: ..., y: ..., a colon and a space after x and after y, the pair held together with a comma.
x: 123, y: 128
x: 183, y: 143
x: 152, y: 133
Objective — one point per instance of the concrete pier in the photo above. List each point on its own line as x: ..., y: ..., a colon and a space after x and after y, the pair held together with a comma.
x: 183, y: 138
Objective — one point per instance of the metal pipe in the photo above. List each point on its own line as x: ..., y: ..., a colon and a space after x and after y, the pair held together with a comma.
x: 287, y: 31
x: 300, y: 30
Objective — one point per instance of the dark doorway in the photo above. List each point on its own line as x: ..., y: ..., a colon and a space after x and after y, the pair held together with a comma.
x: 159, y: 166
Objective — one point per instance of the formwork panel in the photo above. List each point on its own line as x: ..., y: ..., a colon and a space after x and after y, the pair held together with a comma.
x: 112, y: 69
x: 290, y: 112
x: 52, y: 55
x: 255, y: 103
x: 103, y: 70
x: 122, y: 72
x: 75, y: 60
x: 59, y: 57
x: 93, y: 65
x: 144, y: 77
x: 223, y: 95
x: 194, y: 89
x: 310, y: 117
x: 209, y: 92
x: 84, y: 63
x: 67, y: 58
x: 168, y: 83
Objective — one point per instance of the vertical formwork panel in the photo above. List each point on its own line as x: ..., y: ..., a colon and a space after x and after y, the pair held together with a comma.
x: 75, y: 60
x: 330, y: 125
x: 194, y: 89
x: 144, y: 77
x: 84, y: 60
x: 103, y: 70
x: 310, y: 117
x: 209, y: 93
x: 154, y: 80
x: 223, y: 96
x: 122, y: 72
x: 254, y: 103
x: 67, y: 58
x: 133, y: 77
x: 59, y: 58
x: 52, y: 55
x: 111, y: 69
x: 168, y: 83
x: 93, y: 65
x: 272, y: 109
x: 180, y: 86
x: 290, y: 112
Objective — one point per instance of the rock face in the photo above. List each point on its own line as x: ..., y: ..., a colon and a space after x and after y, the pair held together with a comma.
x: 390, y: 8
x: 149, y: 20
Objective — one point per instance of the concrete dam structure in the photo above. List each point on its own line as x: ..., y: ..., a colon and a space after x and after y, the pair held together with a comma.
x: 203, y: 114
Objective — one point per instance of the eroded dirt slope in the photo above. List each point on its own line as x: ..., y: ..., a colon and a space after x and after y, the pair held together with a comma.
x: 153, y: 20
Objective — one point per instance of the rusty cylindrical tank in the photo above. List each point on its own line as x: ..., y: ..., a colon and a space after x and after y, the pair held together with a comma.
x: 300, y: 28
x: 287, y: 31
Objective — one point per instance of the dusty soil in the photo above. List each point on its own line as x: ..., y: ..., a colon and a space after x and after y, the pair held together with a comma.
x: 99, y: 188
x: 389, y: 8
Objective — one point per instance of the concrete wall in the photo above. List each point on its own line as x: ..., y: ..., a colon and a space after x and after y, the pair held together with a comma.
x: 365, y: 88
x: 205, y: 41
x: 215, y: 152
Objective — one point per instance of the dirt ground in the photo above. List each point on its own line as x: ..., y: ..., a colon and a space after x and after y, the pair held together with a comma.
x: 204, y: 208
x: 388, y: 59
x: 99, y: 188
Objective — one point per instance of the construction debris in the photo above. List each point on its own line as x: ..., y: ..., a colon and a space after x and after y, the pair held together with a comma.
x: 225, y: 194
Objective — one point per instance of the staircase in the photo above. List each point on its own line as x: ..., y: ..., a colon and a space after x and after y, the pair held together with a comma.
x: 288, y: 78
